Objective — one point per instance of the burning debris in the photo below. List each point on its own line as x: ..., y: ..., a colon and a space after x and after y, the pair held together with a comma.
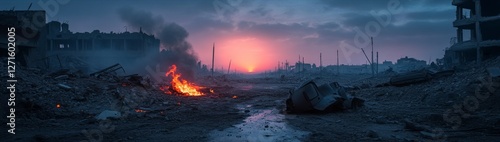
x: 181, y: 86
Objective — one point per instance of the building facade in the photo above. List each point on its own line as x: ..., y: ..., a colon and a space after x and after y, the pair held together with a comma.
x: 477, y: 23
x: 96, y: 46
x: 30, y: 34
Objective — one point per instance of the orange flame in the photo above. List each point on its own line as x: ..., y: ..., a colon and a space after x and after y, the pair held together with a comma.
x: 181, y: 85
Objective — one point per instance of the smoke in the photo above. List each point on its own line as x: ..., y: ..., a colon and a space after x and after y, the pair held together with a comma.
x: 175, y: 48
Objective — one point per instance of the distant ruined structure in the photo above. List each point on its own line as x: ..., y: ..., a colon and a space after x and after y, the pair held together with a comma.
x: 479, y: 20
x: 53, y: 46
x: 30, y: 35
x: 97, y: 46
x: 408, y: 64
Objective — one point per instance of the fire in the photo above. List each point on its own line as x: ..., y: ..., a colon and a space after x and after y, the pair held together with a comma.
x: 58, y: 105
x: 181, y: 85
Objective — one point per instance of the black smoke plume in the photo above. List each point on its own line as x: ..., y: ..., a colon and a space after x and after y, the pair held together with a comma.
x: 175, y: 48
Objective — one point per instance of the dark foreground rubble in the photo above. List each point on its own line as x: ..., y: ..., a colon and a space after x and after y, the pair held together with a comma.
x: 68, y: 105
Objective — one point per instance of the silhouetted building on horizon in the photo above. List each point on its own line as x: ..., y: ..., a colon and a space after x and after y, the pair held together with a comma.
x: 408, y: 64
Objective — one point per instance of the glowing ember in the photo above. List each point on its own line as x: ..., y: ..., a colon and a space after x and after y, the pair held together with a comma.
x: 58, y: 106
x: 140, y: 111
x: 182, y: 86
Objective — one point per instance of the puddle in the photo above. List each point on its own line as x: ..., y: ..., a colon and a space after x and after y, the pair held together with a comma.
x: 262, y: 126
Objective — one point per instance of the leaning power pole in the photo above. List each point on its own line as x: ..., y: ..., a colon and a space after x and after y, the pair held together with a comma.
x: 213, y: 55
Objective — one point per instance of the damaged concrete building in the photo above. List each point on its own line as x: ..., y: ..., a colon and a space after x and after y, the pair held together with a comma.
x: 30, y: 34
x: 53, y: 46
x: 477, y: 31
x: 72, y: 48
x: 408, y: 64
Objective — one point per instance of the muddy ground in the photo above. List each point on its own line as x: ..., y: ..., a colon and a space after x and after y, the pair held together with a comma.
x: 251, y: 108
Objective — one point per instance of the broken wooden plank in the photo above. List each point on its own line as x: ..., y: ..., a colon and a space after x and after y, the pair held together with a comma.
x: 108, y: 70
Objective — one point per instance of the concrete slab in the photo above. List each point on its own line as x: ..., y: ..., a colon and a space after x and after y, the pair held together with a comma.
x: 494, y: 72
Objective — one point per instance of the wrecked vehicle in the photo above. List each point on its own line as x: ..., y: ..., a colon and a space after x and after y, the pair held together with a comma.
x: 325, y: 98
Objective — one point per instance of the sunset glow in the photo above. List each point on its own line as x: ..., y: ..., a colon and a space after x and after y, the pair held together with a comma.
x: 250, y: 69
x: 248, y: 54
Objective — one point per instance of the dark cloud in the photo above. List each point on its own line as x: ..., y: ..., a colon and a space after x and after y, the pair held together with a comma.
x: 202, y: 24
x: 329, y: 26
x: 356, y: 19
x: 277, y: 30
x: 140, y: 19
x: 357, y: 5
x: 437, y: 2
x: 432, y: 15
x: 261, y: 11
x: 420, y: 29
x: 422, y: 24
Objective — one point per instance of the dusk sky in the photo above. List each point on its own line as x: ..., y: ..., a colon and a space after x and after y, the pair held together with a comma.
x: 256, y: 34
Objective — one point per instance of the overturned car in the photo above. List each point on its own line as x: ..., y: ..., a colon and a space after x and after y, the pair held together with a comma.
x: 309, y: 97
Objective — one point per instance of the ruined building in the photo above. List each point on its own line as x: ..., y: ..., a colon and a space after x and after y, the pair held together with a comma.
x: 30, y: 35
x: 106, y: 48
x: 408, y: 64
x: 478, y: 38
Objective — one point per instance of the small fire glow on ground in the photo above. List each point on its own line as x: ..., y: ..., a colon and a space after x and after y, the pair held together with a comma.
x: 181, y: 86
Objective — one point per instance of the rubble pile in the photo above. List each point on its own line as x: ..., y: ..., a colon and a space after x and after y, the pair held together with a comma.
x: 70, y: 93
x: 428, y: 101
x: 62, y: 93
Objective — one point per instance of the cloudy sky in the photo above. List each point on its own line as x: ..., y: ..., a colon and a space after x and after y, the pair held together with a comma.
x: 257, y: 34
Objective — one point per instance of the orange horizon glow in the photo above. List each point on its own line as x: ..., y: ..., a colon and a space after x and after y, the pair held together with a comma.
x: 250, y: 69
x: 248, y: 54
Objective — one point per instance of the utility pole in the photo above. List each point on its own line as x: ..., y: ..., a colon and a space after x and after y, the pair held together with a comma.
x: 320, y: 63
x: 338, y: 66
x: 213, y: 55
x: 303, y: 63
x: 298, y: 66
x: 228, y: 68
x: 286, y: 64
x: 377, y: 63
x: 373, y: 70
x: 282, y: 66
